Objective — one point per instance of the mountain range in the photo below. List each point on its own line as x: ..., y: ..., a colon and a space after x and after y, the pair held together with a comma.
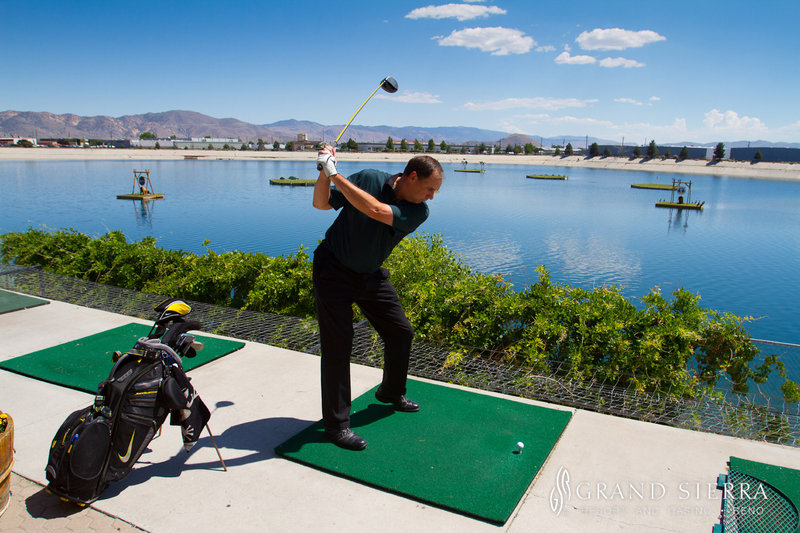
x: 188, y: 124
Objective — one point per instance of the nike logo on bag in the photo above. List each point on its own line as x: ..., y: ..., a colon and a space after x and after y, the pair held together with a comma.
x: 125, y: 458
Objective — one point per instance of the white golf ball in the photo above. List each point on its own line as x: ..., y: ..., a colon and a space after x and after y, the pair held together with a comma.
x: 520, y: 445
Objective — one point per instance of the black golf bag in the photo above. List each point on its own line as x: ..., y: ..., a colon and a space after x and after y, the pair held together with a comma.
x: 101, y: 443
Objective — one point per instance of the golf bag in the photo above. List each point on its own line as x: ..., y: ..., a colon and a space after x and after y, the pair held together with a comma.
x: 101, y: 443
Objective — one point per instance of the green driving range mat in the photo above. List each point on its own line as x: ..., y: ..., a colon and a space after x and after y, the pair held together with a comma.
x: 458, y: 452
x: 11, y: 301
x: 83, y: 363
x: 760, y: 497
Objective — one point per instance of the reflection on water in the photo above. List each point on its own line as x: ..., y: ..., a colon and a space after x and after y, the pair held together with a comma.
x: 599, y: 259
x: 741, y: 254
x: 143, y: 209
x: 489, y: 252
x: 679, y: 219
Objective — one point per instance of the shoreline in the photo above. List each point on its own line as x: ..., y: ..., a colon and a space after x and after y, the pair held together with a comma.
x: 735, y: 169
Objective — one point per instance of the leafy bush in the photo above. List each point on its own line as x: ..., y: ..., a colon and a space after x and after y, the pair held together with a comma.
x: 669, y: 344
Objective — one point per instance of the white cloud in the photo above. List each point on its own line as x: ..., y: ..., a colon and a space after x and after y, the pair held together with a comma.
x: 655, y: 99
x: 549, y: 125
x: 546, y: 48
x: 616, y: 39
x: 561, y: 122
x: 411, y: 97
x: 570, y: 120
x: 460, y: 12
x: 612, y: 62
x: 730, y: 121
x: 497, y: 40
x: 668, y: 133
x: 550, y: 104
x: 788, y: 133
x: 717, y: 126
x: 627, y: 101
x: 565, y: 59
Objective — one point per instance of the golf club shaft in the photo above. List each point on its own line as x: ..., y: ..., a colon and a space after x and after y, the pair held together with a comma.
x: 356, y: 113
x: 319, y: 167
x: 389, y: 84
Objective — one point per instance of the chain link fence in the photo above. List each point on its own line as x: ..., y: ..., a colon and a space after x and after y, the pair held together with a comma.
x: 757, y: 417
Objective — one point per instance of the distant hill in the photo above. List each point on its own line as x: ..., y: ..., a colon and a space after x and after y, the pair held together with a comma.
x: 288, y: 129
x: 183, y: 124
x: 187, y: 124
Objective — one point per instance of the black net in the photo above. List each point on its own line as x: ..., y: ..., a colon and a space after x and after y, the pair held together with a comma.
x: 759, y: 418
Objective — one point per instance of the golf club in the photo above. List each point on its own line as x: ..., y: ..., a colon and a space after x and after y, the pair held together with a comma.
x: 388, y: 84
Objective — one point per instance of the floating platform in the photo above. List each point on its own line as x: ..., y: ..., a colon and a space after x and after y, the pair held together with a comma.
x: 293, y: 182
x: 681, y: 187
x: 467, y: 169
x: 141, y: 182
x: 140, y: 196
x: 697, y: 206
x: 546, y: 177
x: 657, y: 186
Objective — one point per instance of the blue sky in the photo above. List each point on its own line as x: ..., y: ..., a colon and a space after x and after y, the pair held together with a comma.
x: 699, y: 71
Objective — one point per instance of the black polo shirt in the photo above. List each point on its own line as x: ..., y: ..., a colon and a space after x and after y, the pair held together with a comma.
x: 361, y: 243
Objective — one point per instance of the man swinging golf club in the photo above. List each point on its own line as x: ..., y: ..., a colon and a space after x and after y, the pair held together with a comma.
x: 377, y: 211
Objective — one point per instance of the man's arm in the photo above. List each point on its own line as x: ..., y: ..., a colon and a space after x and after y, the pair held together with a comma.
x: 322, y: 192
x: 358, y: 198
x: 362, y: 200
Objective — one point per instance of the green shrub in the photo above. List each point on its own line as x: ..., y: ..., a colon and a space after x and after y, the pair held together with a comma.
x: 667, y: 344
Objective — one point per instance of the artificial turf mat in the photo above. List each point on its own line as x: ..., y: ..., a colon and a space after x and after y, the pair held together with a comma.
x: 457, y: 452
x: 785, y: 481
x: 83, y: 363
x: 11, y: 301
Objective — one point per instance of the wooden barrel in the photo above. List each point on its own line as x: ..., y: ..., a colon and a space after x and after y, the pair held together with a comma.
x: 6, y: 460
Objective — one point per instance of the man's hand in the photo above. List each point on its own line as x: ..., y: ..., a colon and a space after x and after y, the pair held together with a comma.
x: 326, y: 161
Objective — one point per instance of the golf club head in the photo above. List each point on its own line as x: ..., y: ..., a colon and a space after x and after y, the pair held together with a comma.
x: 389, y: 84
x: 170, y: 310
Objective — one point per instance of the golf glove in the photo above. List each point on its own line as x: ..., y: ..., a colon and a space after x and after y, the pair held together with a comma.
x: 326, y: 162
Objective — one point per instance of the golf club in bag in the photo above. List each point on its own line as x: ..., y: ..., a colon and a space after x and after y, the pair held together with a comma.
x: 388, y: 84
x: 101, y: 443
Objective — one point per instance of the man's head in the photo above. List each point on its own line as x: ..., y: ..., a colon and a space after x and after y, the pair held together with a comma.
x: 421, y: 179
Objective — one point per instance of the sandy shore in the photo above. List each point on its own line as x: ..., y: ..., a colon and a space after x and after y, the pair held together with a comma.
x: 763, y: 170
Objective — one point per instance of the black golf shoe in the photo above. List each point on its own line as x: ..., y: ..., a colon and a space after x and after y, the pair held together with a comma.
x: 346, y: 439
x: 400, y: 403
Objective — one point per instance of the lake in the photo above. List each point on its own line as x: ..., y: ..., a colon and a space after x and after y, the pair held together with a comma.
x: 741, y: 254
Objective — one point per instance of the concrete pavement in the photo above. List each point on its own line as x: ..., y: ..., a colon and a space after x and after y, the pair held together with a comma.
x: 622, y: 475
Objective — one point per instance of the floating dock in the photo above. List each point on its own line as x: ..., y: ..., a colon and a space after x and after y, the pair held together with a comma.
x: 465, y: 169
x: 140, y: 196
x: 292, y: 182
x: 681, y: 187
x: 698, y: 206
x: 546, y: 177
x: 657, y: 186
x: 141, y: 179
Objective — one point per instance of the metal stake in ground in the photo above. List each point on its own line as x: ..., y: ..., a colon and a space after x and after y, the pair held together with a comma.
x: 388, y: 84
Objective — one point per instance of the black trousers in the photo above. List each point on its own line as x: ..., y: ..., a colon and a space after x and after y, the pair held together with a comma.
x: 336, y: 289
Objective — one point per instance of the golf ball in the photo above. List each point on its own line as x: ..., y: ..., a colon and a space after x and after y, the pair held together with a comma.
x: 520, y: 445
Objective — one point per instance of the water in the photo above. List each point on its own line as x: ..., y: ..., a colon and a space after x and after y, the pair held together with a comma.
x: 741, y: 254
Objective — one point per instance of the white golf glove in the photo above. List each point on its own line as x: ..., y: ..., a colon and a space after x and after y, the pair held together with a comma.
x: 326, y: 161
